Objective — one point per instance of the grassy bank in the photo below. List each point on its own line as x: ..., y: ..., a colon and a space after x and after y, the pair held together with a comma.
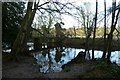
x: 79, y: 43
x: 99, y: 43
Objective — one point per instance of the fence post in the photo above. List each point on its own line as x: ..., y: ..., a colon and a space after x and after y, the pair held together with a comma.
x: 37, y: 44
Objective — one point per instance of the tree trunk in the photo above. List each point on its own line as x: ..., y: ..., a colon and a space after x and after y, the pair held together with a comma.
x: 20, y: 44
x: 94, y: 33
x: 87, y: 43
x: 84, y: 23
x: 109, y: 46
x: 74, y: 31
x: 113, y: 26
x: 104, y: 52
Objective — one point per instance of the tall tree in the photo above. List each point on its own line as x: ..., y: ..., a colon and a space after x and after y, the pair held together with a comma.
x: 94, y: 32
x: 20, y: 44
x: 113, y: 26
x: 104, y: 52
x: 88, y: 23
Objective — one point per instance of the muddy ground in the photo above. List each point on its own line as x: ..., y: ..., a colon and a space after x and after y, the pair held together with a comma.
x: 27, y: 68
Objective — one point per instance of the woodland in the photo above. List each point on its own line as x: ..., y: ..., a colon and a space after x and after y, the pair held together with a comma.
x: 34, y: 40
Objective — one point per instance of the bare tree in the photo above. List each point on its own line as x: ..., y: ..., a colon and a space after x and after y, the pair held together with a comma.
x: 113, y: 26
x: 88, y: 23
x: 104, y: 52
x: 94, y: 32
x: 85, y: 16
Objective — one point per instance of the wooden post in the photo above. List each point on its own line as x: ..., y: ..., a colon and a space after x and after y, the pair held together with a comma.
x: 37, y: 44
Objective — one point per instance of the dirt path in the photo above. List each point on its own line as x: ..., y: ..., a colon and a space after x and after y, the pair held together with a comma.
x: 28, y: 69
x: 74, y: 71
x: 24, y: 69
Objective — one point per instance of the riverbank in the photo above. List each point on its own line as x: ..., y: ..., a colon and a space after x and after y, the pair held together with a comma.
x: 78, y: 43
x: 27, y: 68
x: 99, y: 43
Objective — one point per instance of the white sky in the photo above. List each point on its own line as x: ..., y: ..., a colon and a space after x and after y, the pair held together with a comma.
x: 70, y: 21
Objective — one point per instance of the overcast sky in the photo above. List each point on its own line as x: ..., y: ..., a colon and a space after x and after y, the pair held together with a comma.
x: 70, y: 21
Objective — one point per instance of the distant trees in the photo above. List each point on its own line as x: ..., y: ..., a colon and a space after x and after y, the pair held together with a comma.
x: 59, y: 34
x: 85, y: 16
x: 58, y: 30
x: 43, y: 23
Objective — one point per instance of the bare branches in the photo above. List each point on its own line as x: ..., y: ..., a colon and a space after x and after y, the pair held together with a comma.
x: 116, y: 17
x: 37, y: 30
x: 56, y: 7
x: 43, y: 4
x: 49, y: 10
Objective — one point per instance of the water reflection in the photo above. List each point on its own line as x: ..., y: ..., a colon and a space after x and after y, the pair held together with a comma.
x: 115, y: 56
x: 51, y: 60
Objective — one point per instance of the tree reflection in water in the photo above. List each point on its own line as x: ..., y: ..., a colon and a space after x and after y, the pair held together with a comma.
x: 52, y: 60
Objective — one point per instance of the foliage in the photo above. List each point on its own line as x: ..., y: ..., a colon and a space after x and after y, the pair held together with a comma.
x: 11, y: 19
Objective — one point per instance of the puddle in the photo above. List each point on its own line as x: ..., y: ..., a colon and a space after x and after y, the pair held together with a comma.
x: 51, y: 60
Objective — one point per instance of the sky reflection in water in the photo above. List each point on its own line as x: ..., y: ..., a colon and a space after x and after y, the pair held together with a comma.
x: 48, y: 63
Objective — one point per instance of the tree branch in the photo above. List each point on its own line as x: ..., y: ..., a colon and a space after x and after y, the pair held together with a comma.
x: 43, y: 4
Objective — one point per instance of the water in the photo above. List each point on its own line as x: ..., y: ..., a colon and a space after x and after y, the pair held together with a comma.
x: 29, y: 44
x: 51, y: 60
x: 115, y: 55
x: 50, y: 64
